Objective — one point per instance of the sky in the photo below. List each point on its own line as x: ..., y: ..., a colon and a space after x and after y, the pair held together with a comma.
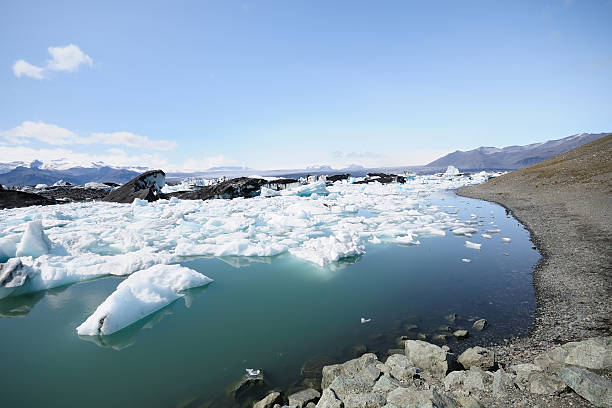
x: 189, y: 85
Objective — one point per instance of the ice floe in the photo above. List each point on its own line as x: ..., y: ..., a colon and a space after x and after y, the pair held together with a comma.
x: 472, y: 245
x: 319, y: 222
x: 141, y: 294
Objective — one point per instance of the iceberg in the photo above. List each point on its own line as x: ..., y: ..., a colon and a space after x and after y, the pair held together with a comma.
x: 451, y: 171
x: 141, y: 294
x: 506, y: 240
x: 329, y: 249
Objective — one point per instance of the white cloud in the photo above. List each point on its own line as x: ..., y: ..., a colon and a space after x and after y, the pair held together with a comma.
x: 44, y: 132
x: 130, y: 140
x: 24, y: 68
x: 67, y: 59
x: 58, y: 136
x: 205, y: 163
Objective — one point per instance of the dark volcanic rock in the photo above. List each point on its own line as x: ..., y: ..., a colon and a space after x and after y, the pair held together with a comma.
x: 239, y: 187
x: 382, y: 178
x: 337, y: 177
x: 14, y: 199
x: 280, y: 184
x: 74, y: 193
x: 147, y: 186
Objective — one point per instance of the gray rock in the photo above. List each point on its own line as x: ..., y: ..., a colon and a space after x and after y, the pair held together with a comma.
x: 480, y: 324
x: 249, y: 387
x: 146, y: 186
x: 473, y: 379
x: 590, y: 386
x: 477, y: 357
x: 430, y: 358
x: 386, y: 384
x: 300, y: 399
x: 460, y: 334
x: 466, y: 401
x: 359, y: 383
x: 593, y: 354
x: 350, y: 367
x: 269, y: 401
x: 311, y: 405
x: 451, y: 317
x: 530, y: 377
x: 329, y: 399
x: 455, y: 380
x: 409, y: 398
x: 366, y: 400
x: 401, y: 367
x: 503, y: 383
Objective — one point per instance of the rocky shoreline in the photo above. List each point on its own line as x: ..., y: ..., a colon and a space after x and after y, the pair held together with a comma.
x: 567, y: 358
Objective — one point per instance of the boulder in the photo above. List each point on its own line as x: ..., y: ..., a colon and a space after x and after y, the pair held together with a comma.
x: 300, y: 399
x: 477, y: 357
x: 480, y: 324
x: 503, y: 383
x: 385, y: 384
x: 350, y: 367
x: 329, y: 399
x: 146, y: 186
x: 530, y: 377
x: 269, y: 401
x: 430, y: 358
x: 352, y: 384
x: 473, y: 379
x: 590, y: 386
x: 593, y: 354
x: 400, y: 367
x: 410, y: 398
x: 365, y: 400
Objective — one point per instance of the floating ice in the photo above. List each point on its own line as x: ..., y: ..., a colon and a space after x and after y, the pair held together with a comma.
x: 464, y: 230
x: 329, y: 249
x: 466, y: 260
x: 12, y: 275
x: 141, y: 294
x: 314, y: 222
x: 472, y: 245
x: 34, y: 242
x: 487, y: 236
x: 451, y: 171
x: 494, y: 231
x: 253, y: 372
x: 364, y: 320
x: 506, y: 240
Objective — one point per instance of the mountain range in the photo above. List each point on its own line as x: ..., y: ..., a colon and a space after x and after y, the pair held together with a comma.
x: 513, y: 157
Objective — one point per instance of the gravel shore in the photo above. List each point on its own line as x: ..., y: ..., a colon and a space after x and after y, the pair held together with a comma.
x: 566, y: 203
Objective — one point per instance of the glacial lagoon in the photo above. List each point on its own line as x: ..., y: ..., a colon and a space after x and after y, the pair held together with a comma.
x: 272, y: 313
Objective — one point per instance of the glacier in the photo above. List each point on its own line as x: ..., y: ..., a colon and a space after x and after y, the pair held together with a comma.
x: 141, y: 294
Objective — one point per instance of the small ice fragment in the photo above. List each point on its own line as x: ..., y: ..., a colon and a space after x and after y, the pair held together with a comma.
x: 34, y: 242
x: 493, y: 231
x: 451, y: 171
x: 467, y: 234
x: 473, y: 216
x: 364, y: 320
x: 506, y: 240
x: 253, y: 372
x: 506, y: 254
x: 472, y: 245
x: 487, y: 236
x: 464, y: 230
x: 466, y: 260
x: 375, y: 240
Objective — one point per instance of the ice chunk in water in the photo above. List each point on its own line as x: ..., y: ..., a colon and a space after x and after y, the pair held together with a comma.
x: 253, y: 372
x: 364, y: 320
x: 13, y: 274
x: 141, y: 294
x: 466, y: 260
x: 464, y: 230
x: 472, y: 245
x: 487, y: 236
x: 34, y: 242
x: 324, y: 250
x: 506, y: 240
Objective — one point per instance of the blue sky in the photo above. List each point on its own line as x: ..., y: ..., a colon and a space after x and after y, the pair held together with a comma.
x: 285, y: 84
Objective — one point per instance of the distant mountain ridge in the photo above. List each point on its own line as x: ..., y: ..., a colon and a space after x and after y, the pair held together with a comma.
x: 513, y: 157
x: 23, y: 176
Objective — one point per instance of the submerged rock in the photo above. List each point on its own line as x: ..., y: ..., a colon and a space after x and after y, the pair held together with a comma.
x: 480, y: 324
x: 249, y: 387
x: 302, y: 398
x: 146, y: 186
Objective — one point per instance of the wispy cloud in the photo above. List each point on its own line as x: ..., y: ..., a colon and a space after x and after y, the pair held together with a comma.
x: 66, y: 59
x: 55, y: 135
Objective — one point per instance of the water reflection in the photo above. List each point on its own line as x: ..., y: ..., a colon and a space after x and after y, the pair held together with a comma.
x: 19, y: 306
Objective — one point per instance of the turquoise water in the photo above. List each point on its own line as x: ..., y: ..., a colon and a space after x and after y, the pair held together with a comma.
x: 271, y: 314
